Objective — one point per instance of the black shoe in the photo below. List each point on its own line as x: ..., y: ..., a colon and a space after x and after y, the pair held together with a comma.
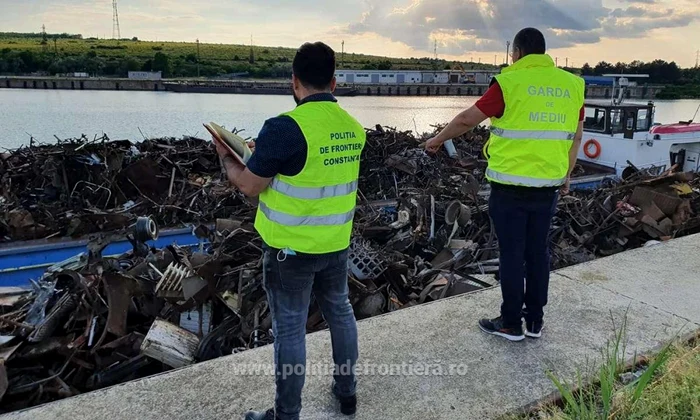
x: 534, y: 329
x: 257, y: 415
x: 348, y: 405
x: 496, y: 327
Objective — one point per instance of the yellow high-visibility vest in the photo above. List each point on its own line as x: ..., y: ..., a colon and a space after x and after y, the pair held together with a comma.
x: 312, y: 212
x: 529, y: 146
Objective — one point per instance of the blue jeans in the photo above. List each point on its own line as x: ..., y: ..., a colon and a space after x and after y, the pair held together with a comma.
x: 289, y: 284
x: 522, y: 219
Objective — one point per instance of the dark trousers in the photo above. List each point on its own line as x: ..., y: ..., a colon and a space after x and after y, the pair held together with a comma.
x: 522, y: 219
x: 289, y: 281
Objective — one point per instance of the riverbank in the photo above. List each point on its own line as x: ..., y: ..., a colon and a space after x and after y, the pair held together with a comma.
x: 680, y: 92
x: 282, y: 88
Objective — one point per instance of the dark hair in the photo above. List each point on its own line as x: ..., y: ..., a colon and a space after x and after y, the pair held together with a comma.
x: 314, y: 65
x: 530, y: 41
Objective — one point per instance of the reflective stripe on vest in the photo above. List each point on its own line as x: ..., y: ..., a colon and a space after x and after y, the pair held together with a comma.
x: 291, y: 220
x: 310, y: 193
x: 532, y: 134
x: 523, y: 180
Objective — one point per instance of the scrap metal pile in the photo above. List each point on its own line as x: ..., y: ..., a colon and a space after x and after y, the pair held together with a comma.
x: 422, y: 233
x: 81, y: 186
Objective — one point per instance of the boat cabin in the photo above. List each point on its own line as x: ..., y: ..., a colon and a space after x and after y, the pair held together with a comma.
x: 622, y: 120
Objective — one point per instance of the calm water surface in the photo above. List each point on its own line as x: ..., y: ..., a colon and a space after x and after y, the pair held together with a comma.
x: 125, y: 115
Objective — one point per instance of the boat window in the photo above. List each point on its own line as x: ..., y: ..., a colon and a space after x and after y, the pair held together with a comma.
x: 616, y: 121
x: 643, y: 120
x: 595, y: 119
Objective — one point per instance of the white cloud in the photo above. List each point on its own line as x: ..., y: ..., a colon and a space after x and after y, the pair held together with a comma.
x: 465, y: 26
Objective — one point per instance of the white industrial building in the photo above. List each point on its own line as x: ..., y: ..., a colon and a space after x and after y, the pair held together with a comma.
x: 146, y: 75
x: 401, y: 77
x: 384, y: 77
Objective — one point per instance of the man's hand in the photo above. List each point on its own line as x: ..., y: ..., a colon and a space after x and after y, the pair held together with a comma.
x: 433, y: 145
x: 566, y: 188
x: 220, y: 149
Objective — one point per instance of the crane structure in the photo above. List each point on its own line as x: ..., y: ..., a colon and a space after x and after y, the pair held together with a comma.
x: 116, y: 33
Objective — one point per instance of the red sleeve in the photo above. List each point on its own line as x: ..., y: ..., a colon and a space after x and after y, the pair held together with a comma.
x: 492, y: 103
x: 582, y: 114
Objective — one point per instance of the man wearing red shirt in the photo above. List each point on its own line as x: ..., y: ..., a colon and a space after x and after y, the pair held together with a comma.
x: 536, y: 134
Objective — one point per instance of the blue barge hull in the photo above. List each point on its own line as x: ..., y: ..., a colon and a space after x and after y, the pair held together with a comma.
x: 21, y: 262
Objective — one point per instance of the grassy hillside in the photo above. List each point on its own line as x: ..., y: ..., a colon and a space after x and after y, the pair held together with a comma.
x: 63, y: 53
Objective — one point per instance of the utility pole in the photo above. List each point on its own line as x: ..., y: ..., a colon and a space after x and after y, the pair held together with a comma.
x: 197, y: 57
x: 342, y: 54
x: 436, y: 56
x: 556, y: 60
x: 251, y: 59
x: 697, y: 59
x: 507, y: 51
x: 567, y: 62
x: 495, y: 59
x: 479, y: 60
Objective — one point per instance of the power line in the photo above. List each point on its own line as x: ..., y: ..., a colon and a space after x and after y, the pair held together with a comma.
x: 116, y: 33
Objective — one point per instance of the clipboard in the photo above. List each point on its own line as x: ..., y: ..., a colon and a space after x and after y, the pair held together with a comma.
x: 216, y: 136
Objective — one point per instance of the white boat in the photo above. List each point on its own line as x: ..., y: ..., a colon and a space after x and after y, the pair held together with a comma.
x: 623, y: 136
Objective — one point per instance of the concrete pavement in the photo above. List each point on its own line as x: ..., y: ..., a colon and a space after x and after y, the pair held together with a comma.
x: 482, y: 377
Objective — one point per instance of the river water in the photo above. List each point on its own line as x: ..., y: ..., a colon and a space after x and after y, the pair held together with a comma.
x: 125, y: 115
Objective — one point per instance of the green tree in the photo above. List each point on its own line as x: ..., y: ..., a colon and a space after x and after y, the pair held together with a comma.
x: 603, y: 68
x: 161, y: 62
x: 586, y: 70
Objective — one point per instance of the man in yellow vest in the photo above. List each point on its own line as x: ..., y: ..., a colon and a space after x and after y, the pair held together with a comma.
x: 536, y: 113
x: 305, y: 170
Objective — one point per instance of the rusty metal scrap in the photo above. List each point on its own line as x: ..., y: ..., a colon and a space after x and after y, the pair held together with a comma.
x: 422, y: 233
x: 81, y: 186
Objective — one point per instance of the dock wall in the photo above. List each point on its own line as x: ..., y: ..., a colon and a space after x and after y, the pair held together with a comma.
x: 48, y: 83
x: 652, y: 291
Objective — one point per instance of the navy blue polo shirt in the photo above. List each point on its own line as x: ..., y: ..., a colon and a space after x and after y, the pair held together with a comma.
x: 281, y: 147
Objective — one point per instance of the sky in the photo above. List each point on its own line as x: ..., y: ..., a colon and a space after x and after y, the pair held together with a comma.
x: 465, y: 30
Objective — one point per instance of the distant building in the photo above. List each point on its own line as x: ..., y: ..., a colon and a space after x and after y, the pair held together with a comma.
x: 403, y: 77
x: 383, y: 77
x: 146, y: 75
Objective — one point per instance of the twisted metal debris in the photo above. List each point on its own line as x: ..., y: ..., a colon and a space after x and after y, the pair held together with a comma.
x: 421, y: 233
